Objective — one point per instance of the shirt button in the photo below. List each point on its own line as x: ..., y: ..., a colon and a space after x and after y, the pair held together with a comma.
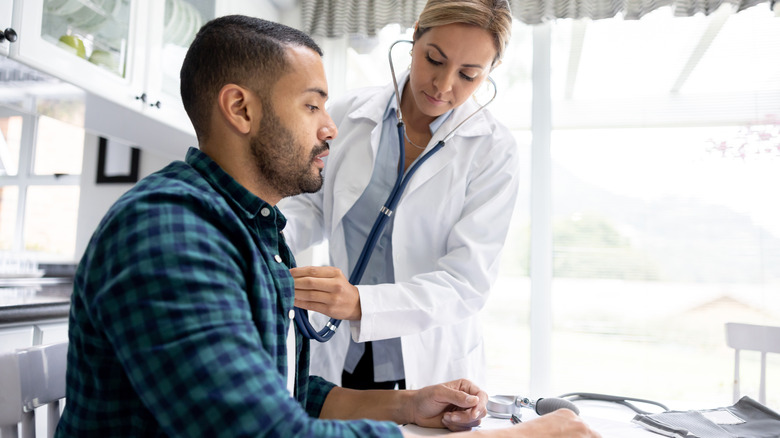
x: 278, y: 258
x: 291, y: 314
x: 265, y: 211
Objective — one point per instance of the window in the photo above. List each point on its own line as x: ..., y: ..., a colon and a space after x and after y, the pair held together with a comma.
x: 665, y: 145
x: 41, y: 149
x: 664, y: 148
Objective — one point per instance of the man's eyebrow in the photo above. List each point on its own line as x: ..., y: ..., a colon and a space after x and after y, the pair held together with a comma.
x: 317, y: 90
x: 441, y: 52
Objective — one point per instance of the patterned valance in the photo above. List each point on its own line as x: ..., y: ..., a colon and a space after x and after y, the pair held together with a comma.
x: 337, y: 18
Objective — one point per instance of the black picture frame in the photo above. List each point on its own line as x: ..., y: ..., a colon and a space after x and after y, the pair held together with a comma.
x: 132, y: 164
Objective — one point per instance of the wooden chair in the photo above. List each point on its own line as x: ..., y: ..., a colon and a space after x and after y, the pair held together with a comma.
x: 30, y: 378
x: 765, y: 339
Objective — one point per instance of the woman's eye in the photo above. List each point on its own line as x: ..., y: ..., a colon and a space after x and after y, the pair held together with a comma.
x: 432, y: 61
x: 467, y: 77
x: 312, y: 108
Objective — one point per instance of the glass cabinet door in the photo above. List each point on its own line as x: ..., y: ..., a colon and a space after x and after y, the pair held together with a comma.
x: 94, y: 30
x: 173, y: 26
x: 86, y: 42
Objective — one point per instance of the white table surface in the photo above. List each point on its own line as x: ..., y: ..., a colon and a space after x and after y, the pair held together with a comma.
x: 609, y: 419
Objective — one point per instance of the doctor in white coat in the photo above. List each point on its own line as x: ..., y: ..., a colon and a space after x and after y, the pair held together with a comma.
x: 435, y: 264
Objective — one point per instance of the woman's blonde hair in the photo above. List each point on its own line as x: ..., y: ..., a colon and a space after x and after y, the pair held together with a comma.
x: 492, y: 15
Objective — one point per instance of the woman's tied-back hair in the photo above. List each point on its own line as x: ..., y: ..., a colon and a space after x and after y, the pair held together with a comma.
x: 234, y: 49
x: 492, y: 15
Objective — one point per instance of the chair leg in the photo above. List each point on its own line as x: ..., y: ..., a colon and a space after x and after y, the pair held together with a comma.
x: 52, y: 417
x: 9, y: 431
x: 28, y: 424
x: 762, y: 383
x: 736, y: 376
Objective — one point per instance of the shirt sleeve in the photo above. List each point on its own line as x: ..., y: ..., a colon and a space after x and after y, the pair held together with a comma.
x: 318, y: 389
x: 170, y: 294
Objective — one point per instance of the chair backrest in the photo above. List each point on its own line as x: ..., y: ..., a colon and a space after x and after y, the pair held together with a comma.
x: 763, y: 338
x: 30, y: 378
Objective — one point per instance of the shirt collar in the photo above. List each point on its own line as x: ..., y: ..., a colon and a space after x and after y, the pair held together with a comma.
x: 234, y: 192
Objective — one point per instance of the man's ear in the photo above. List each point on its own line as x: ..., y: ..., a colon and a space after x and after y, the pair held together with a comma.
x: 239, y: 107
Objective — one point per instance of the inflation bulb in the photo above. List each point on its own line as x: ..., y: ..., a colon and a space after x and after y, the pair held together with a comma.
x: 504, y: 406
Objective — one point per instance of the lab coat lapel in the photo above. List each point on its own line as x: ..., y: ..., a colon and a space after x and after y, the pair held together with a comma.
x: 349, y: 187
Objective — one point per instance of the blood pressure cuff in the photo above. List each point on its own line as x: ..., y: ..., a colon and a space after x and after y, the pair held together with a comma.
x: 745, y: 419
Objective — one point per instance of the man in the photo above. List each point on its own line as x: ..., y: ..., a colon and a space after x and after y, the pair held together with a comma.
x: 183, y: 300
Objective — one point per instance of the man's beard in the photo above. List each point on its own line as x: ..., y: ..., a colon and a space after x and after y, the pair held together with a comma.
x: 279, y: 158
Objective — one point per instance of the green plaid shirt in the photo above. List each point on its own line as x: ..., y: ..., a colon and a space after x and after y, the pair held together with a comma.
x: 179, y: 317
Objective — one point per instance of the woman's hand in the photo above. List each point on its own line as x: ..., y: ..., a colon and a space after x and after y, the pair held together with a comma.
x: 326, y: 290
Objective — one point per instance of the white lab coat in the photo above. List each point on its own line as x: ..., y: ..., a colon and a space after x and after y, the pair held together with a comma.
x: 449, y: 228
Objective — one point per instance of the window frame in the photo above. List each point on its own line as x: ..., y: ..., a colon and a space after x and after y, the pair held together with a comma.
x: 26, y: 177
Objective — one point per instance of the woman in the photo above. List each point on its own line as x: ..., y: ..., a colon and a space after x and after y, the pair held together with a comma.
x: 435, y: 262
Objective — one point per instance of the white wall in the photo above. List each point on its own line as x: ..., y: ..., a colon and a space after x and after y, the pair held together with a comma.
x: 95, y: 199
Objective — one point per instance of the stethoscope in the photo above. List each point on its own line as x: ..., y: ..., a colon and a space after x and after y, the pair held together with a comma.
x: 402, y: 179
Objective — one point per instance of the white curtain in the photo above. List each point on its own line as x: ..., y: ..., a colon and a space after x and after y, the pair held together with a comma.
x: 337, y: 18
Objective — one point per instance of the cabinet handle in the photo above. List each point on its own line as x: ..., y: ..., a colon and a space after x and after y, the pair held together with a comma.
x: 142, y: 97
x: 8, y: 34
x: 157, y: 104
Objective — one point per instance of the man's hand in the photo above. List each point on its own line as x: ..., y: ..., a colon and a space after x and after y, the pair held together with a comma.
x: 458, y: 405
x: 326, y: 290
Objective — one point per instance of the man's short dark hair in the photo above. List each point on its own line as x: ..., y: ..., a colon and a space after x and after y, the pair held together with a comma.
x: 234, y: 49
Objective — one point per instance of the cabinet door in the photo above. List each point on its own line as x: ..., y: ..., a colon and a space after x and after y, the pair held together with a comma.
x: 6, y: 11
x: 172, y: 27
x: 90, y: 43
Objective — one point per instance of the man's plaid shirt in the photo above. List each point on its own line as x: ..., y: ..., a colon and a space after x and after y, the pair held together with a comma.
x: 179, y: 317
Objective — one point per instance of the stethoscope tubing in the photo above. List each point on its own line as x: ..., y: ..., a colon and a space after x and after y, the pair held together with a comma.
x: 301, y: 318
x: 621, y: 400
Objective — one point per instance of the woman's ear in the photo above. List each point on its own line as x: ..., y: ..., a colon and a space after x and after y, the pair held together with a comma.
x: 240, y: 107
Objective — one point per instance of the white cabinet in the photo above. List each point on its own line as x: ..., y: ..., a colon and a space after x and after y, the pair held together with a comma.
x: 115, y: 49
x: 171, y: 27
x: 127, y: 53
x: 7, y: 30
x: 89, y: 43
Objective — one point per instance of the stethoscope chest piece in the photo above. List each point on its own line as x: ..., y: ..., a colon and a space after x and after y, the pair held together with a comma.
x: 503, y: 406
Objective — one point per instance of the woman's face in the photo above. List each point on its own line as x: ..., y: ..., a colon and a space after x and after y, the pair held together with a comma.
x: 448, y: 64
